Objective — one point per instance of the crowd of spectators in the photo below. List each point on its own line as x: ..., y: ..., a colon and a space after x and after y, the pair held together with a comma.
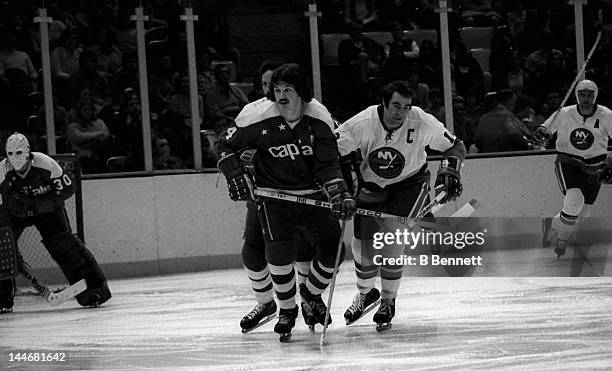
x: 95, y: 73
x: 532, y: 55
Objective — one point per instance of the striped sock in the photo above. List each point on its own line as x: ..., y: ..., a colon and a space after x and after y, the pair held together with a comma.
x: 283, y: 277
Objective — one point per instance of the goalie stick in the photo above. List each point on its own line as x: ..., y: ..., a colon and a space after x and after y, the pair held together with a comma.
x: 54, y: 298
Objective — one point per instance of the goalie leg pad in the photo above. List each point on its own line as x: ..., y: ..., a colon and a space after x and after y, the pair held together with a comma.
x: 8, y: 254
x: 7, y: 293
x: 77, y: 263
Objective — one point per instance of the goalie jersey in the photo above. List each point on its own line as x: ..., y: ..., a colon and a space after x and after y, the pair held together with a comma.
x: 392, y: 156
x: 296, y: 158
x: 43, y: 188
x: 582, y: 140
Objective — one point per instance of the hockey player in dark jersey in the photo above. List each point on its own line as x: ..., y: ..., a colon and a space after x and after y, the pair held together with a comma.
x: 296, y: 154
x: 392, y: 138
x: 253, y: 248
x: 582, y: 163
x: 33, y: 188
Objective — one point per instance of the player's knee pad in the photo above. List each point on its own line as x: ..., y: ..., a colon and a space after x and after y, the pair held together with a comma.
x: 77, y: 262
x: 573, y: 202
x: 254, y: 255
x: 7, y: 293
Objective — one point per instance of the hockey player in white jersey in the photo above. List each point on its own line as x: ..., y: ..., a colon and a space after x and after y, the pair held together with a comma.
x: 392, y: 138
x: 582, y: 163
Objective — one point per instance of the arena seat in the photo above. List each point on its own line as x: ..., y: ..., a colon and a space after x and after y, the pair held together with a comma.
x: 476, y: 37
x: 482, y: 56
x: 419, y: 35
x: 330, y: 43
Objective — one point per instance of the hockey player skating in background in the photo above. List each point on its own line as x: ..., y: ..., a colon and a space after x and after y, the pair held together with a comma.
x: 583, y: 131
x: 392, y: 138
x: 253, y: 249
x: 33, y: 188
x: 296, y: 154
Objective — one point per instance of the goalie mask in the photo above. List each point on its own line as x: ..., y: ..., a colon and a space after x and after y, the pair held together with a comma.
x: 18, y: 151
x: 587, y: 85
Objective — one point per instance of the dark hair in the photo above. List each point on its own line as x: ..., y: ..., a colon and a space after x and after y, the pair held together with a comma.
x: 291, y: 73
x: 398, y: 86
x: 504, y: 94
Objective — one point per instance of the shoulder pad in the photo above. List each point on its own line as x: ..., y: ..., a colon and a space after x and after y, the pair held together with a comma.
x: 255, y: 112
x: 317, y: 110
x: 42, y: 161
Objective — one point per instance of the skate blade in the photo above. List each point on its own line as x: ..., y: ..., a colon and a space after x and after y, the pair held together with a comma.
x: 365, y: 311
x: 380, y: 327
x: 546, y: 224
x: 66, y: 294
x: 261, y: 323
x: 284, y: 338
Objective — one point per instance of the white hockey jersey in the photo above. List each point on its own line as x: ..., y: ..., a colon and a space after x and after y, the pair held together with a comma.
x: 581, y: 137
x: 392, y: 156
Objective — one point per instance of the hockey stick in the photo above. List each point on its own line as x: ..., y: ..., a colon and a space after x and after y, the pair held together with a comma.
x: 363, y: 212
x: 54, y: 298
x: 332, y: 285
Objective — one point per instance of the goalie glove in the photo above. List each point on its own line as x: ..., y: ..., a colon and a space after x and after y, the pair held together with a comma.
x: 343, y: 204
x: 449, y: 179
x: 542, y: 136
x: 238, y: 182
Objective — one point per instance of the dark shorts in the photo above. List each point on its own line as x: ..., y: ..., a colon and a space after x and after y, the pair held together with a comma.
x: 571, y: 176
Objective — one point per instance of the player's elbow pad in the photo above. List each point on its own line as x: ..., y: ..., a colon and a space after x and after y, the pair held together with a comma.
x: 458, y: 151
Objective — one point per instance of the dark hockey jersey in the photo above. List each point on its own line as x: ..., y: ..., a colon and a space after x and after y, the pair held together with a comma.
x: 295, y: 158
x: 42, y: 189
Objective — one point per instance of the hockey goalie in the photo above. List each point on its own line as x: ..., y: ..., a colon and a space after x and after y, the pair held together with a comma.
x: 33, y: 188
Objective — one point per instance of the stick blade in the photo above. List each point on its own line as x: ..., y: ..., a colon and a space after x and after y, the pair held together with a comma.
x: 66, y: 294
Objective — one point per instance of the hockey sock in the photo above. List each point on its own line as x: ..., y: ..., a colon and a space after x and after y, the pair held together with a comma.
x: 283, y: 277
x: 261, y: 282
x: 303, y: 271
x: 319, y: 277
x: 365, y: 270
x: 389, y: 287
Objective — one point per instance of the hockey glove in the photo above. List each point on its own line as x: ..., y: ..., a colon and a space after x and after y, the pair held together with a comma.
x: 605, y: 174
x: 343, y: 205
x: 238, y: 181
x: 449, y: 179
x: 542, y: 136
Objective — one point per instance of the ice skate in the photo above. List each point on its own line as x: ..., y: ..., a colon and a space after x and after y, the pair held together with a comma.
x: 560, y: 248
x: 385, y: 314
x: 308, y: 315
x: 258, y: 316
x: 286, y: 322
x: 362, y: 304
x: 316, y: 305
x: 546, y: 238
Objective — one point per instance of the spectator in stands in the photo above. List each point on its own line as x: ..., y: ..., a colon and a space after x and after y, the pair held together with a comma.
x: 161, y: 83
x: 127, y: 127
x: 109, y: 57
x: 499, y: 61
x: 515, y: 79
x: 551, y: 103
x: 526, y: 113
x: 402, y: 11
x: 206, y: 78
x: 162, y: 159
x: 430, y: 65
x: 528, y: 41
x: 537, y: 66
x: 126, y: 77
x: 360, y: 58
x: 90, y: 138
x: 421, y: 98
x: 363, y: 12
x: 400, y: 53
x: 515, y: 18
x: 500, y: 130
x: 87, y: 76
x: 225, y: 101
x: 26, y: 35
x: 16, y: 65
x: 436, y: 105
x: 466, y: 71
x: 64, y: 63
x: 464, y: 126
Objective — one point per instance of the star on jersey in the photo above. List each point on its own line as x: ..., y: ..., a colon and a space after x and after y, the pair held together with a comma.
x: 222, y: 154
x: 264, y: 132
x: 282, y: 126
